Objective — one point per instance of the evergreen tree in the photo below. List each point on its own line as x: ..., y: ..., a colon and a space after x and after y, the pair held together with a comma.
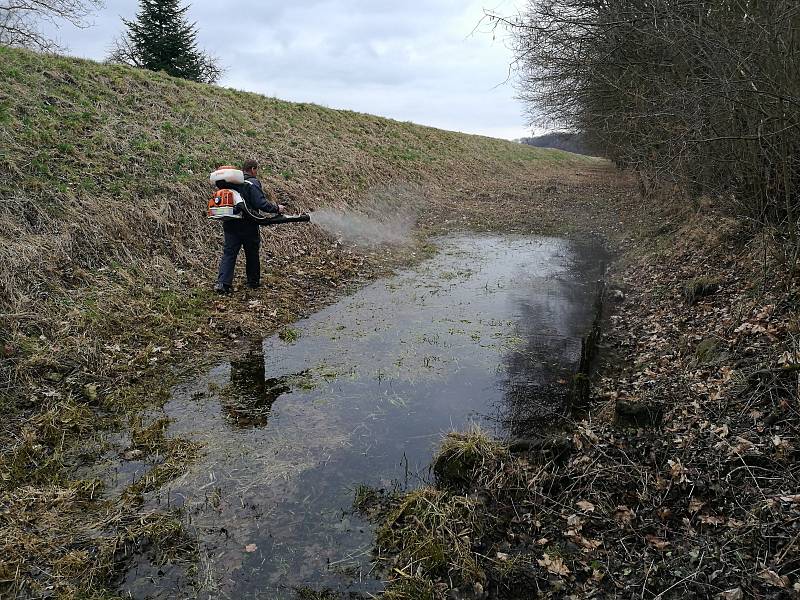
x: 161, y: 39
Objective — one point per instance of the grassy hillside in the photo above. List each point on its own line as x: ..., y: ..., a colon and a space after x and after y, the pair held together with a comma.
x: 107, y: 260
x: 103, y: 171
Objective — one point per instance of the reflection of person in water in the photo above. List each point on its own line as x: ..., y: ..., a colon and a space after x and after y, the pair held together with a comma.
x: 251, y: 406
x: 250, y: 396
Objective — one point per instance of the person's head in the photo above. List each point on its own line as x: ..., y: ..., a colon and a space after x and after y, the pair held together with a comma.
x: 250, y: 167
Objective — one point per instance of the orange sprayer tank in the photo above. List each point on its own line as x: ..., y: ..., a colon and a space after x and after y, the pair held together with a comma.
x: 224, y: 205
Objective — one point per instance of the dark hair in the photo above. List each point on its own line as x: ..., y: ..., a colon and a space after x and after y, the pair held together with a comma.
x: 249, y: 165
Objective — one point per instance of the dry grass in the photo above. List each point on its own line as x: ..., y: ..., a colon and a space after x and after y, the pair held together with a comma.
x: 106, y: 261
x: 83, y: 545
x: 464, y: 456
x: 700, y: 287
x: 429, y: 539
x: 430, y: 534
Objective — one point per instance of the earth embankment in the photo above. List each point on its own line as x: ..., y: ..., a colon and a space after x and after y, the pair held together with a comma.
x: 107, y: 261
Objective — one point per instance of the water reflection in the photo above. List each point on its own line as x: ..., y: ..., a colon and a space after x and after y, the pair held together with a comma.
x: 489, y: 322
x: 552, y: 313
x: 247, y: 401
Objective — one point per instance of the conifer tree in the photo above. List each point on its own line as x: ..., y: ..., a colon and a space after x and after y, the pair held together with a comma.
x: 161, y: 39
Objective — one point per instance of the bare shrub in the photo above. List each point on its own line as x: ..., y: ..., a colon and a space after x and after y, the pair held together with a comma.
x: 696, y: 92
x: 20, y: 20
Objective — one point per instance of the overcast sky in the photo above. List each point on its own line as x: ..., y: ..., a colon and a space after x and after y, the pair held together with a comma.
x: 412, y: 60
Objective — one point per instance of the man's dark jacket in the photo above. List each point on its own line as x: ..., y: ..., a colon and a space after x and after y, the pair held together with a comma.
x: 244, y: 233
x: 253, y: 194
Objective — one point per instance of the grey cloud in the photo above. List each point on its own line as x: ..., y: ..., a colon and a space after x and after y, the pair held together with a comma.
x: 412, y: 60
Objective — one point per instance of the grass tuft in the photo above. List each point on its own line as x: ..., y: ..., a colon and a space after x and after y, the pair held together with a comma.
x: 430, y: 532
x: 411, y: 588
x: 699, y: 287
x: 463, y: 456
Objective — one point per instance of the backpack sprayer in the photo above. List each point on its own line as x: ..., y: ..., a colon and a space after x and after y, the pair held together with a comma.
x: 227, y: 204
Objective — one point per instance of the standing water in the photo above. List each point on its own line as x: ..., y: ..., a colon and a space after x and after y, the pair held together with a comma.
x: 361, y: 393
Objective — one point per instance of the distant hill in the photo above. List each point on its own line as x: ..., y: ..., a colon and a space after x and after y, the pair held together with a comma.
x: 560, y: 140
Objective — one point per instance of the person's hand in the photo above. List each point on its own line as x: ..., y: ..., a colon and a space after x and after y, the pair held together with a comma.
x: 281, y: 208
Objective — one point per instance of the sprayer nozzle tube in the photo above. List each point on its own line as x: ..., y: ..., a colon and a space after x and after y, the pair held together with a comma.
x: 278, y: 220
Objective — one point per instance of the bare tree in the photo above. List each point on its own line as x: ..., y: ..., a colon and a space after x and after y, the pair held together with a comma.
x: 20, y: 20
x: 703, y: 93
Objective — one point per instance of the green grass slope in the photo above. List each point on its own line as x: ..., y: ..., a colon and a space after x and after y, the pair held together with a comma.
x: 103, y: 176
x: 107, y: 259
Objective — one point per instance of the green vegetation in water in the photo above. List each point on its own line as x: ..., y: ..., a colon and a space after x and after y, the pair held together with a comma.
x: 289, y: 335
x: 306, y: 593
x: 303, y: 381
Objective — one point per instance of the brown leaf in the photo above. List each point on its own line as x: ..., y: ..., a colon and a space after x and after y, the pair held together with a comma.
x: 586, y: 506
x: 623, y: 515
x: 589, y: 545
x: 250, y: 548
x: 554, y: 565
x: 772, y: 578
x: 677, y: 471
x: 742, y: 446
x: 574, y: 522
x: 656, y: 542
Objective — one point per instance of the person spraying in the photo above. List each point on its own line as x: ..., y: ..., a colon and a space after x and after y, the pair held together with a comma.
x: 236, y: 203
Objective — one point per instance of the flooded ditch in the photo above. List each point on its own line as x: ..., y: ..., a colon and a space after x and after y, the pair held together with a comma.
x: 488, y: 331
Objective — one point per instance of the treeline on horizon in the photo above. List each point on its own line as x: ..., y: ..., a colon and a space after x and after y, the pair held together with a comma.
x: 700, y: 93
x: 561, y: 140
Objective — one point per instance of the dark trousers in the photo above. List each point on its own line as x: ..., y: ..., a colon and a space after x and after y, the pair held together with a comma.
x: 237, y: 235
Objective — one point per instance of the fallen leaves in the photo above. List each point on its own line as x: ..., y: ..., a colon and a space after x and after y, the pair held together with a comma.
x: 789, y: 359
x: 624, y: 515
x: 587, y: 544
x: 773, y: 579
x: 554, y: 564
x: 656, y: 542
x: 711, y: 520
x: 677, y: 471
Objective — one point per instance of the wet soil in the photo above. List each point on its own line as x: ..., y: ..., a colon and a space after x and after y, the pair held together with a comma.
x: 360, y: 393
